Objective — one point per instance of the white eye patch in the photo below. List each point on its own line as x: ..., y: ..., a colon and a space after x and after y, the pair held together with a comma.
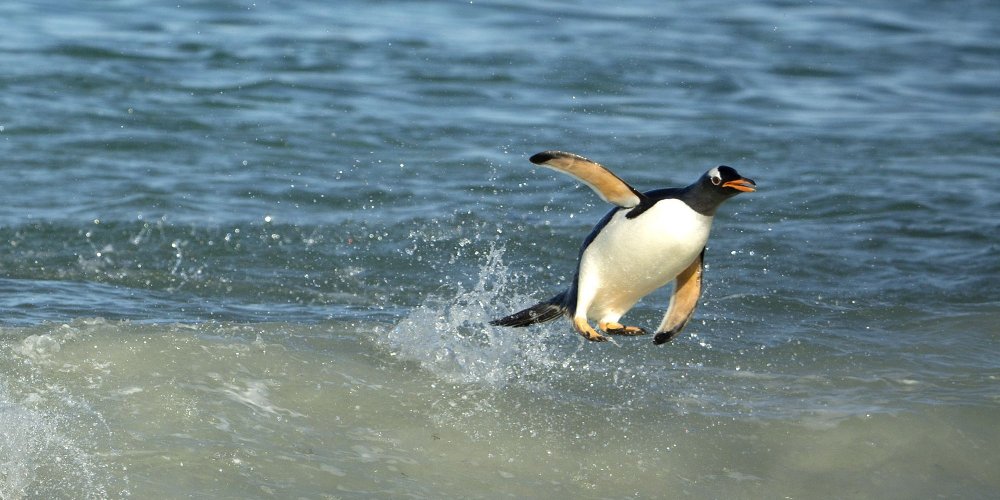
x: 715, y: 176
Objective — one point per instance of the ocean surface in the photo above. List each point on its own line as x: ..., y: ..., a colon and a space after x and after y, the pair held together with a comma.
x: 251, y: 249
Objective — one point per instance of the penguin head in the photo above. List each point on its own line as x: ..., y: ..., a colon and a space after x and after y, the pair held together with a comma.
x: 727, y: 181
x: 714, y: 187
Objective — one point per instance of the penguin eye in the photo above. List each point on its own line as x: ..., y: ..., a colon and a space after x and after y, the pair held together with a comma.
x: 716, y: 180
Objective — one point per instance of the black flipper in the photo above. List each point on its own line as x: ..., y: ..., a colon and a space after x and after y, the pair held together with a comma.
x: 538, y: 313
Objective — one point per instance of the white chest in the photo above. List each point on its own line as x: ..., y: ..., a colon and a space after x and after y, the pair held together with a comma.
x: 630, y: 258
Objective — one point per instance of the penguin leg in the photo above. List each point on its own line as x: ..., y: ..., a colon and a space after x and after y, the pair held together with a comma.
x: 687, y: 291
x: 615, y: 328
x: 585, y: 291
x: 583, y: 328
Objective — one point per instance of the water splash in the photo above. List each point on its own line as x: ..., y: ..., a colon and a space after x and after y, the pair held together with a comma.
x: 452, y: 337
x: 53, y: 443
x: 40, y: 458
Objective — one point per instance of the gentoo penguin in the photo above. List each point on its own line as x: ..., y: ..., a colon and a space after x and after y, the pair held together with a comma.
x: 646, y: 241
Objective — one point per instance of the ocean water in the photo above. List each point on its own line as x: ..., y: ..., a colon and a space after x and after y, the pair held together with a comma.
x: 250, y: 249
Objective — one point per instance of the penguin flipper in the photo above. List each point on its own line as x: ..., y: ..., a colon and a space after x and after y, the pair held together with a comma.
x: 687, y: 291
x: 606, y: 184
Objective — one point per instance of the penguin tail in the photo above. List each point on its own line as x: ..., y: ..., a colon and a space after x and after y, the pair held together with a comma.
x: 539, y: 313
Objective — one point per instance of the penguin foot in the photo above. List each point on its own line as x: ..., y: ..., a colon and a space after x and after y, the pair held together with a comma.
x: 664, y: 337
x: 619, y: 329
x: 588, y: 332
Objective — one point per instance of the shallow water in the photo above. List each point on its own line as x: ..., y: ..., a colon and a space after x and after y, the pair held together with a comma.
x: 251, y: 250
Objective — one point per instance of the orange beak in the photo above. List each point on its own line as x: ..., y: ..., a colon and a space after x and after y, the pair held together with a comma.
x: 744, y: 184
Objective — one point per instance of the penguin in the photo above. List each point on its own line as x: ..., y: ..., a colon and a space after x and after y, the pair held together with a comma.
x: 648, y: 240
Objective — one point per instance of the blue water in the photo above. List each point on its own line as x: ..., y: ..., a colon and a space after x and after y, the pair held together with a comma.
x: 252, y: 249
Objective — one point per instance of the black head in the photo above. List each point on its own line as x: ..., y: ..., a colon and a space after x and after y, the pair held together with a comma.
x: 727, y: 181
x: 716, y: 186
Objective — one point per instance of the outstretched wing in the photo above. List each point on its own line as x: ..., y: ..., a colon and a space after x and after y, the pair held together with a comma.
x: 606, y: 184
x: 687, y: 290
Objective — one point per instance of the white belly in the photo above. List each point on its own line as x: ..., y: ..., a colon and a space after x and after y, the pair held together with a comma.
x: 632, y: 257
